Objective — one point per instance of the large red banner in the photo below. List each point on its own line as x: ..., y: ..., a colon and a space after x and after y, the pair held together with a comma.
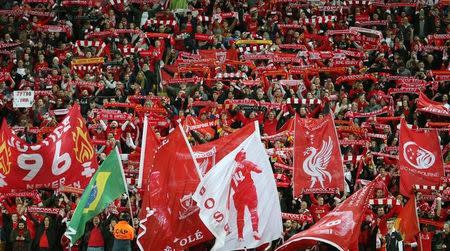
x: 420, y: 159
x: 318, y: 164
x: 340, y: 228
x: 65, y: 157
x: 174, y: 223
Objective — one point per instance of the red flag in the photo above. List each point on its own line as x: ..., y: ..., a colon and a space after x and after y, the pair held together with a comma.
x: 174, y: 224
x: 420, y: 159
x: 424, y: 104
x: 148, y: 151
x: 65, y: 157
x: 407, y: 221
x: 210, y: 153
x: 340, y: 227
x: 318, y: 164
x: 288, y: 126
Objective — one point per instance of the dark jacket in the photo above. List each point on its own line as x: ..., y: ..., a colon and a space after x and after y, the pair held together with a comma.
x: 87, y: 235
x: 51, y: 237
x: 53, y: 233
x: 20, y: 245
x: 439, y: 239
x: 392, y: 240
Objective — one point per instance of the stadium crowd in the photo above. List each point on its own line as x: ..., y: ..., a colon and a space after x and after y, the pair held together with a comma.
x: 216, y: 66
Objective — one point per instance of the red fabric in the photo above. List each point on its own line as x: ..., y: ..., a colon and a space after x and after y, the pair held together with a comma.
x: 96, y: 238
x: 424, y: 104
x: 40, y: 66
x: 345, y: 222
x: 43, y: 242
x: 318, y: 212
x: 212, y: 152
x: 270, y: 126
x: 167, y: 224
x: 408, y: 221
x: 31, y: 228
x: 151, y: 144
x: 60, y: 158
x: 425, y: 241
x: 317, y: 155
x: 420, y: 159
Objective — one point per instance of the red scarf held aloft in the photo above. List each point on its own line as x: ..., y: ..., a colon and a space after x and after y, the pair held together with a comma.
x: 383, y: 110
x: 354, y: 78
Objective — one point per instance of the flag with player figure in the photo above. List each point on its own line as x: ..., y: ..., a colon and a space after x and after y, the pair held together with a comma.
x: 238, y: 199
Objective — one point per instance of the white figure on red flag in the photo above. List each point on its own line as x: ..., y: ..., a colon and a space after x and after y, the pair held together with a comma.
x: 316, y: 163
x: 318, y: 166
x: 230, y: 197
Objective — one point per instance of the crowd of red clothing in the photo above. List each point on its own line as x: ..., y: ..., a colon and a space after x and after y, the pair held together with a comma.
x: 216, y: 66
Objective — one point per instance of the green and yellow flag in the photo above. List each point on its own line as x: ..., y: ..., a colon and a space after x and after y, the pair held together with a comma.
x: 107, y: 184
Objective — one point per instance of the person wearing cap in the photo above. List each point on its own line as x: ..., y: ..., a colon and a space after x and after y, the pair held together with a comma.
x: 123, y: 234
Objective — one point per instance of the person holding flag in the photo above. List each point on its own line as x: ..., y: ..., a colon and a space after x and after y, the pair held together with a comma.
x: 107, y: 184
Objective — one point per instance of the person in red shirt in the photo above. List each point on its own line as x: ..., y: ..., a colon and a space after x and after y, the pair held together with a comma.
x: 306, y: 218
x: 252, y: 21
x: 385, y: 177
x: 318, y: 208
x: 424, y: 239
x: 45, y: 239
x: 271, y: 122
x: 382, y: 219
x: 41, y: 64
x: 95, y: 236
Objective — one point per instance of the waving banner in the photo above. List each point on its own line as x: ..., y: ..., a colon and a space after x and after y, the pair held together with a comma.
x: 318, y: 164
x: 238, y: 198
x: 169, y: 215
x: 65, y: 158
x: 420, y: 159
x: 340, y: 228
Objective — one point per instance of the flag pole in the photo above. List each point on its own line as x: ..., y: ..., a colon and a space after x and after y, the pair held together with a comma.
x: 143, y: 146
x: 190, y: 151
x: 124, y: 181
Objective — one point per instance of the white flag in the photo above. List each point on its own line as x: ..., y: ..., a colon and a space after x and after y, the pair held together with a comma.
x: 238, y: 199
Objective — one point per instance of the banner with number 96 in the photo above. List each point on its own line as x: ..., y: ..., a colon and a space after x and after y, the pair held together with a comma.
x: 66, y: 157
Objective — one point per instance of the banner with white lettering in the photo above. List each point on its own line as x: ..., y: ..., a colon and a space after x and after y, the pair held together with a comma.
x: 23, y: 99
x: 420, y: 159
x: 65, y: 157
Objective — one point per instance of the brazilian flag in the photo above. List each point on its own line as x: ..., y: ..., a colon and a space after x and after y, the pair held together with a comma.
x: 107, y: 184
